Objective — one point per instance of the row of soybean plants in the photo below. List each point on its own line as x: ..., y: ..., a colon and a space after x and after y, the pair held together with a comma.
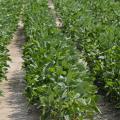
x: 9, y: 14
x: 95, y: 28
x: 57, y: 77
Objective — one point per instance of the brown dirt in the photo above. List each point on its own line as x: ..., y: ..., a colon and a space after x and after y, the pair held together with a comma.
x: 13, y: 105
x: 58, y: 20
x: 108, y: 111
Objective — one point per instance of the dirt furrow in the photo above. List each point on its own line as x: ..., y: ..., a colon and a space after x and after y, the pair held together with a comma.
x: 58, y: 20
x: 13, y: 105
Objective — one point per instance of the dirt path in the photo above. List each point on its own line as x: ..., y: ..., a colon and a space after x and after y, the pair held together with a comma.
x: 108, y: 111
x: 13, y: 105
x: 58, y: 20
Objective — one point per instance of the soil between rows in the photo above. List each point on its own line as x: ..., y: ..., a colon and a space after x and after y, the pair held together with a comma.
x: 13, y: 105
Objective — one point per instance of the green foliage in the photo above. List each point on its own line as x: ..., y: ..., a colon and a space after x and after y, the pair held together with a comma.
x: 57, y: 76
x: 95, y: 27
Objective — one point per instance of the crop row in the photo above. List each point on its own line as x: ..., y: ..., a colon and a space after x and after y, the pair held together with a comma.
x: 57, y: 77
x: 95, y: 28
x: 9, y: 14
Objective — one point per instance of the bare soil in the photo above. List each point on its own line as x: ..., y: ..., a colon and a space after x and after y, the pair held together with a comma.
x: 58, y: 20
x: 13, y: 105
x: 108, y: 111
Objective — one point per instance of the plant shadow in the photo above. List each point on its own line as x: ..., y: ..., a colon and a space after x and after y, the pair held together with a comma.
x: 18, y: 101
